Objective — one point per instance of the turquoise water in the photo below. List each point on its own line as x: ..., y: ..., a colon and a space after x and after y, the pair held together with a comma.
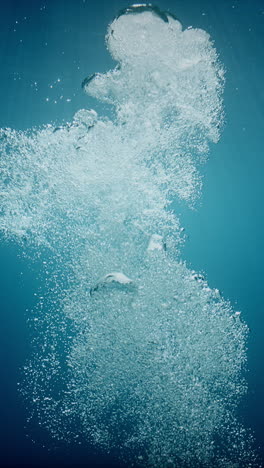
x: 143, y: 365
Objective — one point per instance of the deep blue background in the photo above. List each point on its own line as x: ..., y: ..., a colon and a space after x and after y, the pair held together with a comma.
x: 42, y: 42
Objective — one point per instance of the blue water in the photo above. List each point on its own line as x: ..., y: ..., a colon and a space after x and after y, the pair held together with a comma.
x: 47, y: 49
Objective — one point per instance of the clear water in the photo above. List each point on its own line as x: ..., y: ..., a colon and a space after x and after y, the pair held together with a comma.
x: 133, y: 354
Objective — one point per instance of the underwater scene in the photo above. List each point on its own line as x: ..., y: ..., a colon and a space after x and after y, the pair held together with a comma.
x: 131, y: 231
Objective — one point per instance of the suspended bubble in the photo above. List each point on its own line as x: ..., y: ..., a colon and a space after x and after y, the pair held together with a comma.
x: 114, y: 280
x: 156, y: 243
x: 85, y: 117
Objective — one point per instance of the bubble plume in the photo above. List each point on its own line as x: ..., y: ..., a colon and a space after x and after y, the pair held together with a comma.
x: 133, y: 352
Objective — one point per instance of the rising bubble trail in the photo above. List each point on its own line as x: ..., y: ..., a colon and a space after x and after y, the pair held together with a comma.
x: 133, y: 352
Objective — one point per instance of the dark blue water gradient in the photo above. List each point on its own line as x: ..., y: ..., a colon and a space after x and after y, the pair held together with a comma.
x: 225, y: 233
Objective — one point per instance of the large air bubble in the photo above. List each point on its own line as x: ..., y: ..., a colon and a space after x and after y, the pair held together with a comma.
x: 133, y: 352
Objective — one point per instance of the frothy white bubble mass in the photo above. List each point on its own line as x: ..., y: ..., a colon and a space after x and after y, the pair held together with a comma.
x: 134, y: 352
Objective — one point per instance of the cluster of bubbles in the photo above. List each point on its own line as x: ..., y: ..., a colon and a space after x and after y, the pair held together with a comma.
x: 134, y: 351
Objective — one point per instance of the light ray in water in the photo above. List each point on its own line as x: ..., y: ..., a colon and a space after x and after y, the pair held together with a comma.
x: 137, y: 354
